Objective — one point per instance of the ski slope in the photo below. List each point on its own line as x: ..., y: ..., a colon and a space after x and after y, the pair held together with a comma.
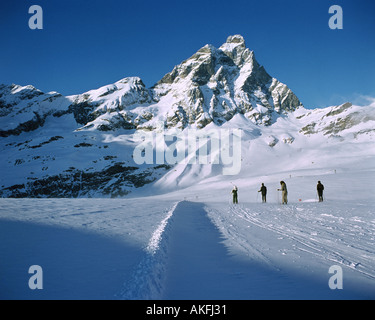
x: 182, y: 246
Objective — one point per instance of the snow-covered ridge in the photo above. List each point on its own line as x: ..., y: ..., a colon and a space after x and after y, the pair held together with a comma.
x: 211, y: 86
x: 340, y: 120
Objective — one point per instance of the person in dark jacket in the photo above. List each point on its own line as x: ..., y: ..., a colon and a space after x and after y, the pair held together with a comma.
x: 235, y: 194
x: 320, y: 189
x: 263, y: 190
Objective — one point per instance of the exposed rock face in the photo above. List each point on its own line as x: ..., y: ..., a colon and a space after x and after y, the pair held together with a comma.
x: 337, y: 120
x: 215, y: 84
x: 212, y: 85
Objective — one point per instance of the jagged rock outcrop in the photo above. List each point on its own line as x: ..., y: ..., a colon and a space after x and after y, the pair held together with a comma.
x: 215, y: 84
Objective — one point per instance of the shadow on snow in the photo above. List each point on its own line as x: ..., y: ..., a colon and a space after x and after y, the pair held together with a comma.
x: 200, y: 267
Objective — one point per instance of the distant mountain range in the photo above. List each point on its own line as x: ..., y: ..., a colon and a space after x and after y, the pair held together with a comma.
x: 81, y: 145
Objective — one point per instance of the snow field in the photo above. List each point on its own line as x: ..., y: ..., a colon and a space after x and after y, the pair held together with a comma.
x: 87, y: 248
x: 143, y: 249
x: 168, y: 242
x: 304, y: 240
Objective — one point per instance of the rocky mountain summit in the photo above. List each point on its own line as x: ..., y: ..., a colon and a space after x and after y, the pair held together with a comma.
x: 212, y: 85
x: 215, y: 84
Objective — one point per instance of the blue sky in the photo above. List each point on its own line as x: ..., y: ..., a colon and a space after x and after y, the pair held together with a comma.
x: 88, y: 44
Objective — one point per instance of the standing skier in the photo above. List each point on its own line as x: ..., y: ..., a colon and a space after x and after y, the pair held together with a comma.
x: 263, y: 189
x: 284, y: 193
x: 235, y: 194
x: 320, y: 189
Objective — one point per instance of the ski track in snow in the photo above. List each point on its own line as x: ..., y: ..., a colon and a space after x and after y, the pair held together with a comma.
x: 232, y: 251
x: 148, y: 278
x: 346, y: 240
x: 325, y: 236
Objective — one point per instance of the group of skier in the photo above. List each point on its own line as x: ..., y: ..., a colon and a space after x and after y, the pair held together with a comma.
x: 283, y: 189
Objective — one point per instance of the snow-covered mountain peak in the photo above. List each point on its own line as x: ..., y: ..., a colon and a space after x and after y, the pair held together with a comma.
x: 237, y: 38
x: 235, y: 48
x: 215, y: 84
x: 16, y: 92
x: 208, y: 60
x: 212, y: 86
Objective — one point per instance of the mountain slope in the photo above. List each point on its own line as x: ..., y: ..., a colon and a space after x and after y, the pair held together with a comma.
x: 84, y: 145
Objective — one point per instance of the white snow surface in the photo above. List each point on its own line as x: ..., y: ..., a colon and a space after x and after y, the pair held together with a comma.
x: 182, y: 238
x: 194, y: 244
